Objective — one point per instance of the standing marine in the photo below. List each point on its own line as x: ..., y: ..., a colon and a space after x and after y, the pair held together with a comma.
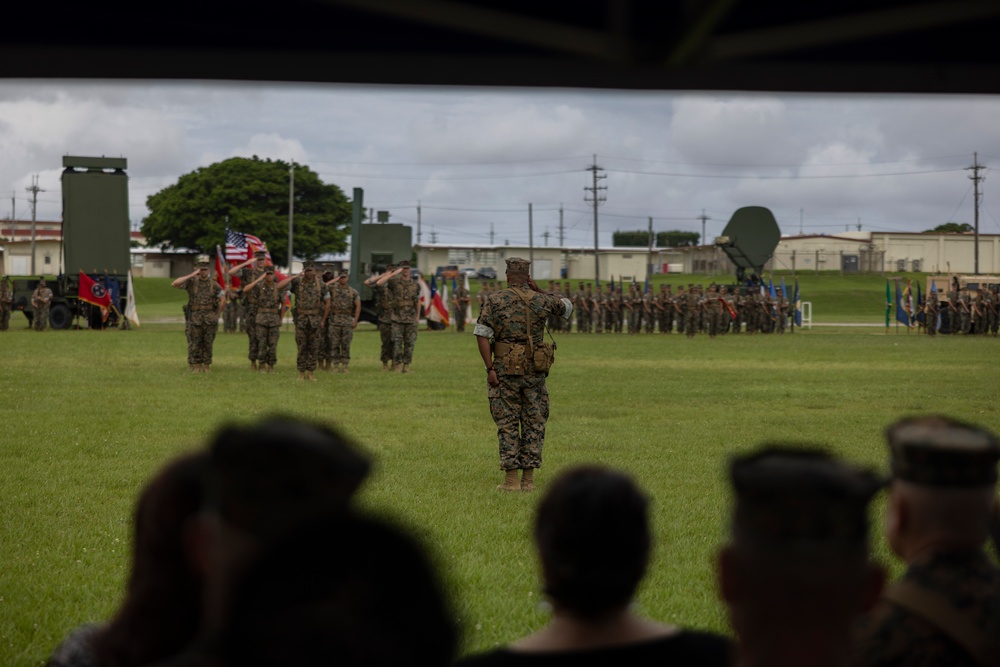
x: 6, y: 300
x: 460, y: 299
x: 383, y: 308
x: 510, y: 333
x: 404, y: 297
x: 312, y: 305
x: 945, y: 609
x: 41, y: 298
x: 249, y: 271
x: 206, y: 299
x: 267, y: 322
x: 345, y: 310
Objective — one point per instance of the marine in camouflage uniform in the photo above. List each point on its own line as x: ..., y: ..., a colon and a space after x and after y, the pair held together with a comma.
x: 519, y: 399
x: 230, y: 314
x: 460, y: 299
x: 6, y: 299
x: 404, y: 297
x: 267, y: 322
x: 931, y: 314
x: 781, y: 310
x: 692, y: 309
x: 345, y: 309
x: 945, y: 609
x: 649, y: 312
x: 581, y: 307
x: 205, y: 302
x: 312, y: 305
x: 994, y: 312
x: 383, y: 306
x: 249, y: 271
x: 964, y: 310
x: 796, y: 570
x: 329, y: 277
x: 597, y: 310
x: 608, y: 309
x: 664, y: 310
x: 41, y: 299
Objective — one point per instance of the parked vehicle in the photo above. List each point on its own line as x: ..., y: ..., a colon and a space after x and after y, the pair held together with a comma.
x: 448, y: 272
x: 469, y: 271
x: 487, y: 273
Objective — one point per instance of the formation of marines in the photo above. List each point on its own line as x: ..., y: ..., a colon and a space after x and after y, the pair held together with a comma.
x: 719, y: 309
x: 963, y: 313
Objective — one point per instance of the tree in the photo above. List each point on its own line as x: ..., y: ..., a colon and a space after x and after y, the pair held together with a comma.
x: 253, y: 195
x: 620, y: 238
x: 952, y: 227
x: 676, y: 238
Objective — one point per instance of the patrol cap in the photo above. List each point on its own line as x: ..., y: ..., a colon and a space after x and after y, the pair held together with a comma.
x: 390, y: 267
x: 404, y: 264
x: 203, y: 263
x: 939, y: 451
x: 260, y: 254
x: 800, y: 497
x: 518, y: 265
x: 344, y: 274
x: 308, y: 265
x: 269, y: 268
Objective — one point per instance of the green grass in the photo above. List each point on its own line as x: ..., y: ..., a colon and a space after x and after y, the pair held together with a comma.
x: 89, y: 416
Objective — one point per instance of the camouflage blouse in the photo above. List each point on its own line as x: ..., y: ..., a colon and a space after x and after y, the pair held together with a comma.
x: 343, y: 300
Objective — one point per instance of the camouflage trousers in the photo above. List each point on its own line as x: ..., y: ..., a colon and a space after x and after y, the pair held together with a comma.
x: 519, y: 406
x: 250, y: 321
x: 229, y: 316
x: 308, y: 336
x: 404, y: 337
x: 4, y: 316
x: 266, y: 336
x: 326, y: 341
x: 459, y: 315
x: 385, y: 333
x: 201, y: 330
x: 40, y: 321
x: 340, y: 343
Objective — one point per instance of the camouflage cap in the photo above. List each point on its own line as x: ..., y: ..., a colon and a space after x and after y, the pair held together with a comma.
x: 801, y: 497
x: 269, y: 268
x: 404, y: 264
x: 344, y: 274
x: 328, y: 268
x: 308, y: 265
x: 390, y: 267
x: 938, y: 451
x: 260, y: 254
x: 203, y: 263
x: 518, y: 265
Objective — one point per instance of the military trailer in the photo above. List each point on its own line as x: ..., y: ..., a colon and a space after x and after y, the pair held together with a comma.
x: 95, y: 240
x: 749, y: 240
x: 380, y: 245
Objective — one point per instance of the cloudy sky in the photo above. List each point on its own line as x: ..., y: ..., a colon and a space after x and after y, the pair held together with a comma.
x: 473, y: 159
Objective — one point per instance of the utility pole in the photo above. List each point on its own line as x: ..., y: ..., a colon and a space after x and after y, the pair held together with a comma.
x: 562, y: 227
x: 34, y: 190
x: 975, y: 178
x: 491, y: 234
x: 703, y: 218
x: 418, y: 222
x: 649, y: 256
x: 801, y: 213
x: 546, y: 236
x: 596, y: 198
x: 531, y: 238
x: 434, y: 236
x: 859, y: 223
x: 291, y: 214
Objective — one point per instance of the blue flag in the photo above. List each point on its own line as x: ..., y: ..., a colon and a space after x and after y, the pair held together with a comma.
x: 770, y: 288
x: 797, y: 304
x: 901, y: 315
x: 934, y: 298
x: 919, y: 317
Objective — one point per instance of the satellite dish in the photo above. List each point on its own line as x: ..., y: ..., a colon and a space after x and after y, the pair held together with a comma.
x: 749, y: 239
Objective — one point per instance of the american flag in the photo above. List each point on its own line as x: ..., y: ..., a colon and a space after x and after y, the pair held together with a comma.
x: 241, y: 247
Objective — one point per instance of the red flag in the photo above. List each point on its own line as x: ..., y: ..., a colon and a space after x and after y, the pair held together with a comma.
x: 94, y: 293
x: 220, y: 268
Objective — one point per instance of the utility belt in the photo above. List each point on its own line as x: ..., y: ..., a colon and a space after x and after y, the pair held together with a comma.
x: 267, y: 310
x: 523, y: 358
x: 307, y: 311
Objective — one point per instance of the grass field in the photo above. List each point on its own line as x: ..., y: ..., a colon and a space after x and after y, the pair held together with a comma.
x: 89, y: 416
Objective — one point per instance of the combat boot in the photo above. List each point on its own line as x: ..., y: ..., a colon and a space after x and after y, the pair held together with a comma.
x: 192, y: 368
x: 206, y: 368
x: 310, y: 376
x: 510, y: 482
x: 528, y: 479
x: 397, y: 368
x: 253, y: 364
x: 302, y: 375
x: 270, y: 368
x: 343, y: 369
x: 406, y: 368
x: 385, y: 366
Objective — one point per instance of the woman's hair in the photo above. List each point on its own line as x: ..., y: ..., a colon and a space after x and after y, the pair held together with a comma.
x: 161, y: 611
x: 592, y: 534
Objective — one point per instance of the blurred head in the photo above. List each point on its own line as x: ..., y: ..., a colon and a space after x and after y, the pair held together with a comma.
x: 161, y: 610
x: 944, y: 475
x: 593, y: 540
x: 340, y: 589
x: 796, y: 573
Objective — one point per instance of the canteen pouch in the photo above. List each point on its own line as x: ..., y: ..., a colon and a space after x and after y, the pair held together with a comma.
x: 544, y: 357
x: 514, y: 357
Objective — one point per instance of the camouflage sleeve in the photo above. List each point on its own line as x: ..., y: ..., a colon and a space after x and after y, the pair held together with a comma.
x: 484, y: 325
x: 568, y: 305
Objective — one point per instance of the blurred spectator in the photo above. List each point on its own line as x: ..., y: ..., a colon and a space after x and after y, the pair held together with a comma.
x: 796, y: 572
x: 945, y: 609
x: 160, y: 613
x: 593, y: 540
x: 339, y: 590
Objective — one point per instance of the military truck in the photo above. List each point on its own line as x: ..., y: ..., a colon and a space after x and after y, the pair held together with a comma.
x: 374, y: 246
x: 95, y: 240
